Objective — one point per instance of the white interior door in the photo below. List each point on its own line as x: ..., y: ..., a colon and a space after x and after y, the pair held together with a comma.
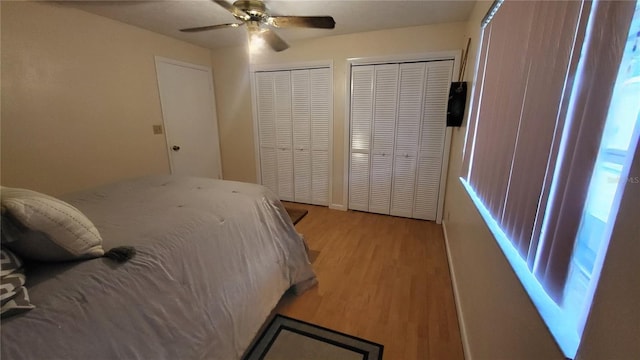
x: 190, y: 122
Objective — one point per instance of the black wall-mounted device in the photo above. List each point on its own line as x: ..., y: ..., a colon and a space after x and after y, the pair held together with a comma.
x: 458, y: 95
x: 456, y: 104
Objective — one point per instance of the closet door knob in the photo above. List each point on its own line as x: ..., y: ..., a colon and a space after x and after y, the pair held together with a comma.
x: 175, y: 148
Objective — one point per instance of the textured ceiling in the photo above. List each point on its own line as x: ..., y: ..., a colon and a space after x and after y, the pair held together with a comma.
x: 351, y: 16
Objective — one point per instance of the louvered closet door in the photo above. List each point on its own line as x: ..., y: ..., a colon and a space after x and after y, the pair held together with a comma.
x: 320, y: 81
x: 383, y: 136
x: 301, y: 114
x: 411, y: 88
x: 432, y: 135
x: 267, y: 130
x: 361, y: 119
x: 294, y: 113
x: 284, y: 134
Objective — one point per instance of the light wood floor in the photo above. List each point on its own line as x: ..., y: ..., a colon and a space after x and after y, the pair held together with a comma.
x: 382, y: 278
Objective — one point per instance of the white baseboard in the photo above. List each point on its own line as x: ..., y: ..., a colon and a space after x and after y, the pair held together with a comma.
x: 338, y: 207
x: 452, y: 272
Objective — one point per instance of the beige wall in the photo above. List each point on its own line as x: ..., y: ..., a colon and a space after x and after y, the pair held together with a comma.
x: 497, y: 317
x: 231, y: 76
x: 233, y: 102
x: 79, y: 97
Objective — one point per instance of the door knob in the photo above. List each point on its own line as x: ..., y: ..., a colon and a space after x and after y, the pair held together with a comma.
x: 175, y: 148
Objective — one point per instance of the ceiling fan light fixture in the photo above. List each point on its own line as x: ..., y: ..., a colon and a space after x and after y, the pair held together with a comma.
x: 256, y: 42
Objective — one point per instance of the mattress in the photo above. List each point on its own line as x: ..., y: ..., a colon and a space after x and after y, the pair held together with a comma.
x: 213, y: 259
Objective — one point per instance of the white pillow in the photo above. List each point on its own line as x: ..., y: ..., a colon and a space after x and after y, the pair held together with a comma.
x: 41, y: 227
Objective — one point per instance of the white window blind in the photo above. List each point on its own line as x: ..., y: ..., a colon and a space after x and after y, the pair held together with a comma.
x: 523, y: 82
x: 544, y: 81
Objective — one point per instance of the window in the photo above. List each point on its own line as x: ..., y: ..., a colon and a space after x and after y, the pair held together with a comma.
x: 549, y: 144
x: 610, y: 175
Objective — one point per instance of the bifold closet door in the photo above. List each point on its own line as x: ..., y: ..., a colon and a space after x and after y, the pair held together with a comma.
x: 301, y: 112
x: 384, y: 124
x: 265, y: 94
x: 311, y: 115
x: 410, y: 100
x: 432, y: 136
x: 273, y: 97
x: 284, y: 134
x: 361, y: 120
x: 294, y: 116
x: 320, y: 83
x: 398, y: 128
x: 374, y: 108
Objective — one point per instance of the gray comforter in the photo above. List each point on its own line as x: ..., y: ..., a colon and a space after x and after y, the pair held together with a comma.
x: 213, y: 259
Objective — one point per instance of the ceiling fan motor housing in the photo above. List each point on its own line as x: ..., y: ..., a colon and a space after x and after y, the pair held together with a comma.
x: 254, y: 8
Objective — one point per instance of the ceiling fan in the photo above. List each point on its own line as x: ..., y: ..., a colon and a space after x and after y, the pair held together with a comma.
x: 256, y: 16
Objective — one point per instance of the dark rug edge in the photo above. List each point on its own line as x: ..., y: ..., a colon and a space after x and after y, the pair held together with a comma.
x: 265, y: 329
x: 296, y: 214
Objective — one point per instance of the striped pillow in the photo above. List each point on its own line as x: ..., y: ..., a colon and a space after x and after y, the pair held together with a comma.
x: 14, y: 298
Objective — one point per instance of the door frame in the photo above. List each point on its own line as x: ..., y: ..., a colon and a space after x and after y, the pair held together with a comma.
x: 209, y: 71
x: 308, y: 65
x: 454, y: 55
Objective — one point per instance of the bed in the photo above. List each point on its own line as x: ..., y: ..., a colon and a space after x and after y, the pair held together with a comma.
x: 212, y: 260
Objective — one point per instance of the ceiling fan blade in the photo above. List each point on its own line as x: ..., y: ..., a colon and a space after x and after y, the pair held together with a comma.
x: 275, y: 41
x: 210, y: 27
x: 239, y: 14
x: 319, y: 22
